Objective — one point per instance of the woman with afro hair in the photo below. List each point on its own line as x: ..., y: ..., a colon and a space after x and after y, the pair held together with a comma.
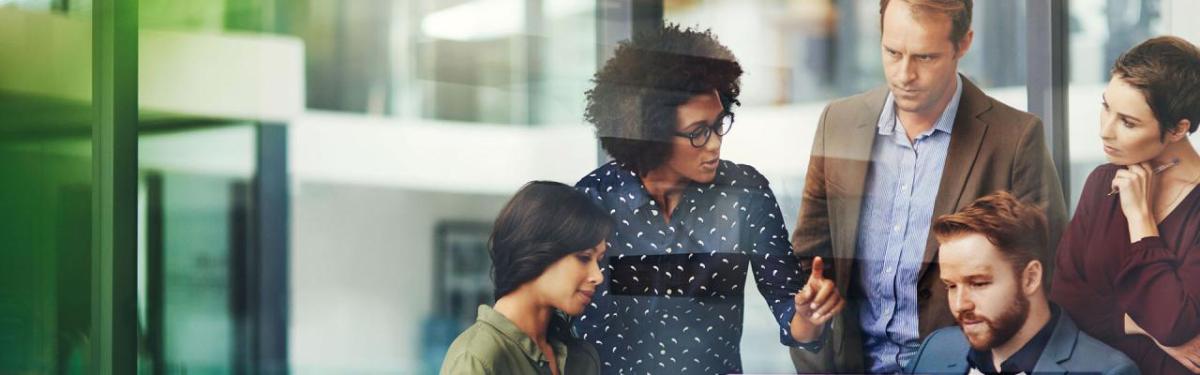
x: 689, y: 225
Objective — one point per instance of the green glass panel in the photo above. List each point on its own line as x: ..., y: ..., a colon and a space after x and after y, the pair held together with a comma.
x: 45, y: 189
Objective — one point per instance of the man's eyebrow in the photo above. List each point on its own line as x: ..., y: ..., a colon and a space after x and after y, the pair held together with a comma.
x: 977, y: 276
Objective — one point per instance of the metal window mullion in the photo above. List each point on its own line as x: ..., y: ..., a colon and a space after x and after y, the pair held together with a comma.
x: 114, y: 190
x: 271, y: 215
x: 1047, y: 79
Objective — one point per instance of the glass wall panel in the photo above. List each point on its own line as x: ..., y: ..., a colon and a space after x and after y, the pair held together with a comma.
x: 209, y: 75
x: 1100, y: 31
x: 406, y: 130
x: 46, y: 122
x: 195, y: 235
x: 401, y: 127
x: 394, y: 194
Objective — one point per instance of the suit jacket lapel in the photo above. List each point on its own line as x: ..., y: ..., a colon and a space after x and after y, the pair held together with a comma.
x: 965, y: 141
x: 854, y: 153
x: 1060, y: 347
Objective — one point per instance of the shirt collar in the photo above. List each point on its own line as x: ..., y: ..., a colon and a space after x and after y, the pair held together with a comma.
x: 887, y: 119
x: 556, y: 334
x: 1025, y: 359
x: 630, y: 188
x: 634, y: 194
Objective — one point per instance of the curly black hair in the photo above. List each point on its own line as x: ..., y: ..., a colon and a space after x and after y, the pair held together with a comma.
x: 637, y: 91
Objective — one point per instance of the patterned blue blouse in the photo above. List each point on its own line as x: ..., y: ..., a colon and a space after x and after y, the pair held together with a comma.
x: 673, y: 292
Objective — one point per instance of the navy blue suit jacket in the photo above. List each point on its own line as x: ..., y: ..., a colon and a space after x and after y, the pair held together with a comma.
x: 1068, y: 351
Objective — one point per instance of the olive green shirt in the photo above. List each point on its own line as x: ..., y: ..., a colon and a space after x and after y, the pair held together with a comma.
x: 494, y: 345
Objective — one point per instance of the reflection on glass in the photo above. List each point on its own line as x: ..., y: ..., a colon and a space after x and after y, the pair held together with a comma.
x: 1100, y: 30
x: 462, y: 283
x: 45, y: 189
x: 386, y: 97
x: 195, y: 233
x: 497, y: 61
x: 798, y: 56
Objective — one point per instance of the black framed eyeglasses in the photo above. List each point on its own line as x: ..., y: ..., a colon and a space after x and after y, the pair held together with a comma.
x: 700, y: 137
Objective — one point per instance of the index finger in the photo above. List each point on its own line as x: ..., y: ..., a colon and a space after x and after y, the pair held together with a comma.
x: 818, y: 269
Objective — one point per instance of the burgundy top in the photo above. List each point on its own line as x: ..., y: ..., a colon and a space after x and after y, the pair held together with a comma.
x: 1100, y: 277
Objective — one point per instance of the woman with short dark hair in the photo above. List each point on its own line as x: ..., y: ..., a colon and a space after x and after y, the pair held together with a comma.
x: 545, y: 248
x: 689, y: 226
x: 1128, y: 266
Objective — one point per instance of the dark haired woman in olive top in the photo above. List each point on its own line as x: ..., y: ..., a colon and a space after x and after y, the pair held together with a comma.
x: 545, y: 249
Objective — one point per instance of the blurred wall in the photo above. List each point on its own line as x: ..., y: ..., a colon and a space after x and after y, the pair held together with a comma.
x: 362, y: 273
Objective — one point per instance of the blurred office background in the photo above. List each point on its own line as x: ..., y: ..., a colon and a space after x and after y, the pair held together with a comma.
x: 316, y: 179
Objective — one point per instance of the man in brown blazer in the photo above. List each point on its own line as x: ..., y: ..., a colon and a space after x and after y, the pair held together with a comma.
x: 885, y: 163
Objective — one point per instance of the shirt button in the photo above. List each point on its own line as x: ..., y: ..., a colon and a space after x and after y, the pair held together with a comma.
x: 896, y: 228
x: 888, y: 270
x: 903, y: 187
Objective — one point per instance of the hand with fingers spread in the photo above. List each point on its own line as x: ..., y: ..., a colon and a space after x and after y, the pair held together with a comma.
x: 1135, y: 185
x: 816, y: 303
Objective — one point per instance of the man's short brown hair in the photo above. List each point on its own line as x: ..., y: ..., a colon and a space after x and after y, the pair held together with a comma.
x: 958, y: 11
x: 1166, y: 70
x: 1017, y: 228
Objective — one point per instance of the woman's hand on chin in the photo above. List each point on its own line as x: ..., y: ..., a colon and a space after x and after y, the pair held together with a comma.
x: 1135, y: 185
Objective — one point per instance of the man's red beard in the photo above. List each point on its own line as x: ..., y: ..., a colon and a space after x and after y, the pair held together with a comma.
x: 999, y: 329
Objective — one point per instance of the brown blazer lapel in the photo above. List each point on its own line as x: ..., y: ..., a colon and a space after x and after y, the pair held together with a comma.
x: 852, y: 150
x: 847, y: 153
x: 965, y: 141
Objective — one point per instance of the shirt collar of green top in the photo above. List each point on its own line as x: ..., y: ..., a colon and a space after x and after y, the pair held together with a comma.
x: 558, y: 333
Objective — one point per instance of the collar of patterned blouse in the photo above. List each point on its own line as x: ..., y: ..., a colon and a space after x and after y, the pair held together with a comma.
x: 634, y: 194
x: 632, y: 191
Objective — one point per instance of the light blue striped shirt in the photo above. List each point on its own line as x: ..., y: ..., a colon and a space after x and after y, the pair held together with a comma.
x: 894, y: 224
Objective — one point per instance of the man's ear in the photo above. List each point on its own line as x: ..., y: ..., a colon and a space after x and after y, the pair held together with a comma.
x: 1031, y: 277
x: 965, y: 44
